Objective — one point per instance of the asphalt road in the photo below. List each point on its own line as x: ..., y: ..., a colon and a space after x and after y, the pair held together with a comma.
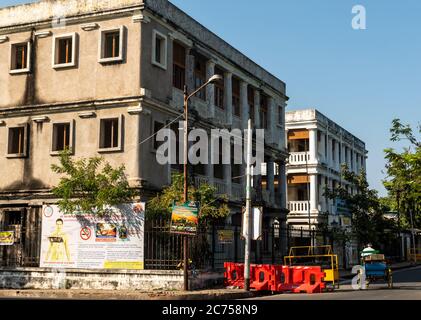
x: 406, y: 286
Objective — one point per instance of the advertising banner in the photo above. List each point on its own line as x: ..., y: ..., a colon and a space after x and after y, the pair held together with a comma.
x: 184, y: 219
x: 7, y: 238
x: 88, y: 241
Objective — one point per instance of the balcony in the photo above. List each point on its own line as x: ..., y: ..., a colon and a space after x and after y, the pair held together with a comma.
x: 200, y: 180
x: 299, y: 158
x: 299, y: 207
x: 220, y: 185
x: 237, y: 192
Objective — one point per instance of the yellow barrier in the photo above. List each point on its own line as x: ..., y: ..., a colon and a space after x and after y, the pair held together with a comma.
x: 414, y: 254
x: 318, y: 255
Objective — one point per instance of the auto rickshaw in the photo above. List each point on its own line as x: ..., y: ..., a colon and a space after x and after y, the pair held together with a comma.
x: 374, y: 268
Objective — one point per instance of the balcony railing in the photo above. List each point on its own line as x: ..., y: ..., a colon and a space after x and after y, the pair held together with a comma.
x: 298, y: 206
x: 200, y: 180
x: 299, y: 157
x: 221, y: 187
x: 237, y: 191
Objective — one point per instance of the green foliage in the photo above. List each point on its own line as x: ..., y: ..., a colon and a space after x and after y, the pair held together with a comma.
x: 212, y: 208
x: 368, y: 223
x: 403, y: 170
x: 90, y: 185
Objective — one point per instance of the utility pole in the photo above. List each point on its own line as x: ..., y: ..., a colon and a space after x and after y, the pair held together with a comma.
x: 247, y: 214
x: 185, y: 237
x: 211, y: 80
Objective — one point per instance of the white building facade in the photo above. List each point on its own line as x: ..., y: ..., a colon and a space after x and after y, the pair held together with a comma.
x: 318, y: 147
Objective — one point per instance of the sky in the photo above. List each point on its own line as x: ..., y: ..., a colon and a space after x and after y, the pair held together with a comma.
x: 361, y: 79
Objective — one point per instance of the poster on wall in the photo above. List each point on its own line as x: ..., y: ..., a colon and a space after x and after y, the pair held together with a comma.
x: 88, y: 241
x: 184, y: 219
x: 7, y: 238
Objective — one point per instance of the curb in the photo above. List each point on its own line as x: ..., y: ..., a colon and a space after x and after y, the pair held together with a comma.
x: 86, y: 295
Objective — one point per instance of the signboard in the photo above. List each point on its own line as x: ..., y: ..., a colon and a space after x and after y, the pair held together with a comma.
x: 346, y: 221
x: 256, y: 223
x: 342, y: 207
x: 184, y: 219
x: 225, y: 236
x: 87, y: 241
x: 7, y: 238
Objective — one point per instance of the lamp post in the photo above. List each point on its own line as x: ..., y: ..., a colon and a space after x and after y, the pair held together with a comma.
x: 187, y: 97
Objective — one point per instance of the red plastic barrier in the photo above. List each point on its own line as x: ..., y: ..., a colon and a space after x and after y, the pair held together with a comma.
x: 234, y: 274
x: 261, y: 277
x: 276, y: 278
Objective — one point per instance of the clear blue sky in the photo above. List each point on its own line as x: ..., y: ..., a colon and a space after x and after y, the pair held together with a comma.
x: 360, y: 79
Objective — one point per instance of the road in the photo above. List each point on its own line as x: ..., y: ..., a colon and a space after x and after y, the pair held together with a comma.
x: 406, y: 286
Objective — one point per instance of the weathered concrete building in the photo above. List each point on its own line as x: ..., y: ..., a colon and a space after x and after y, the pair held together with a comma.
x: 100, y: 77
x: 318, y: 147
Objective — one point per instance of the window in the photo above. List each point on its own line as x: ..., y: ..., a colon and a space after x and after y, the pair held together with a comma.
x: 219, y: 90
x: 159, y: 49
x: 250, y: 97
x: 17, y: 141
x: 111, y: 45
x: 281, y: 117
x: 64, y: 50
x: 264, y: 111
x: 62, y: 137
x: 156, y: 127
x: 110, y: 134
x: 200, y: 75
x: 333, y: 149
x: 236, y: 108
x: 20, y: 57
x: 179, y: 66
x: 218, y: 169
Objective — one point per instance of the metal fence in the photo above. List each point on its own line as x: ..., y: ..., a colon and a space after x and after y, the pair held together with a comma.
x: 216, y: 244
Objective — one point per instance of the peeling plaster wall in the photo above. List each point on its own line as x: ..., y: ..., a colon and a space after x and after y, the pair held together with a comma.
x: 47, y: 9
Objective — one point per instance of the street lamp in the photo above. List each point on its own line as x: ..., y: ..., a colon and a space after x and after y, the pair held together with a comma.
x: 187, y: 97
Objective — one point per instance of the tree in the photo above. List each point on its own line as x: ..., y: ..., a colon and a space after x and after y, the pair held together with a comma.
x: 211, y: 208
x: 368, y: 223
x: 90, y: 185
x: 403, y: 170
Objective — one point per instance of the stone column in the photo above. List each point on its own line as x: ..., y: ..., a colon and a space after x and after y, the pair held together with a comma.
x: 282, y: 184
x: 337, y: 163
x: 349, y: 158
x: 272, y: 120
x: 209, y: 166
x: 313, y: 192
x: 270, y: 179
x: 313, y: 144
x: 322, y: 145
x: 210, y: 89
x: 343, y: 153
x: 244, y: 105
x: 257, y: 123
x: 190, y: 70
x: 228, y: 178
x: 322, y: 198
x: 228, y: 96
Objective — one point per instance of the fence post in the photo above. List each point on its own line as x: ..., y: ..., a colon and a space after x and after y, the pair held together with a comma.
x: 235, y: 244
x: 213, y: 246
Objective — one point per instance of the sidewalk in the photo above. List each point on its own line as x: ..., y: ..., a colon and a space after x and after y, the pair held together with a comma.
x: 347, y: 274
x: 214, y: 294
